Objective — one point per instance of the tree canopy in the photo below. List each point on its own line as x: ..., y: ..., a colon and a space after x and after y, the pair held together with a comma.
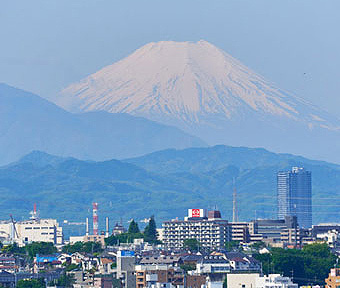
x: 150, y: 232
x: 191, y: 244
x: 133, y: 227
x: 42, y: 248
x: 65, y: 280
x: 32, y: 283
x: 87, y: 247
x: 309, y: 265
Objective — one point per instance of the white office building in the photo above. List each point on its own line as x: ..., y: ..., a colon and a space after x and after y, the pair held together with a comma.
x: 32, y: 230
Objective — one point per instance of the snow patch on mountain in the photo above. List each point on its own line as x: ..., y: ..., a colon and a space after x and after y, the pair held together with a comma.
x: 187, y: 82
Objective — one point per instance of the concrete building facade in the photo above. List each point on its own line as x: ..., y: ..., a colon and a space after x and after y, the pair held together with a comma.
x: 209, y: 232
x: 294, y: 195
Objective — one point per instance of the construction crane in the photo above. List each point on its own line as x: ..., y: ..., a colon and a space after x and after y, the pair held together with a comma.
x: 15, y: 230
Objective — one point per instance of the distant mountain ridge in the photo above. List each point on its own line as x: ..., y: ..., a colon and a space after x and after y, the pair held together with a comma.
x: 203, y: 90
x: 213, y: 158
x: 28, y: 122
x: 164, y: 183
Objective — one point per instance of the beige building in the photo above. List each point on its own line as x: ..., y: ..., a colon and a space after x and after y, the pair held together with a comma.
x: 33, y: 230
x: 333, y: 280
x: 242, y: 280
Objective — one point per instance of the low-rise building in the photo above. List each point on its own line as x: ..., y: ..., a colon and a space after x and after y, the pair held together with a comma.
x: 213, y: 264
x: 162, y: 259
x: 126, y: 268
x: 149, y: 275
x: 274, y: 281
x: 242, y: 262
x: 8, y: 264
x: 118, y: 229
x: 256, y: 280
x: 242, y: 280
x: 32, y: 230
x: 333, y: 280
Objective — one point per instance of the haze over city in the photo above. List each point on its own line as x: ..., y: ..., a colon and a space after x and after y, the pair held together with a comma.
x: 177, y: 144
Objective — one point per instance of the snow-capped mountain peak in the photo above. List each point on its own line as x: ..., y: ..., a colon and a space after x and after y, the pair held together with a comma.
x: 183, y: 80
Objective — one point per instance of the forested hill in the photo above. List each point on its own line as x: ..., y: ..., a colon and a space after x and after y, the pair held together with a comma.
x: 163, y: 184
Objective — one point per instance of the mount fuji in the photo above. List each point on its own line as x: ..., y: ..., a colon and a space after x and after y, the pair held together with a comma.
x: 203, y: 90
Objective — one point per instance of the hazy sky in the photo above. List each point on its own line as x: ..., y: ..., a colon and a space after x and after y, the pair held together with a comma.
x: 48, y: 44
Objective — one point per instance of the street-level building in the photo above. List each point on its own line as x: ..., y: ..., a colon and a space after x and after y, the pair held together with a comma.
x: 149, y: 275
x: 333, y: 280
x: 256, y: 280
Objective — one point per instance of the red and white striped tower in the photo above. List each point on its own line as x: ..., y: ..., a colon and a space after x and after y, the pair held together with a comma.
x: 95, y: 218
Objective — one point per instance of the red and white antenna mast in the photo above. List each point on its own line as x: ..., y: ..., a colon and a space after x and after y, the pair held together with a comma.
x: 34, y: 213
x: 95, y: 218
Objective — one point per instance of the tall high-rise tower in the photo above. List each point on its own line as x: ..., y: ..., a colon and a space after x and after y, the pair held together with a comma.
x: 294, y: 195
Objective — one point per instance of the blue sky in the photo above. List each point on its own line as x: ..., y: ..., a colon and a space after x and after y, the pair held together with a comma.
x: 48, y: 44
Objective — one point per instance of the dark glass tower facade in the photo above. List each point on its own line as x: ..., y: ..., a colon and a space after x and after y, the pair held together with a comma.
x: 294, y: 195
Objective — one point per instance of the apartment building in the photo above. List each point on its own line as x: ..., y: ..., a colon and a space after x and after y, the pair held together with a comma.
x: 211, y: 232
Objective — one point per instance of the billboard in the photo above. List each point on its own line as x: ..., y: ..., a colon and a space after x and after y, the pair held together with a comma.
x: 126, y: 253
x: 196, y: 213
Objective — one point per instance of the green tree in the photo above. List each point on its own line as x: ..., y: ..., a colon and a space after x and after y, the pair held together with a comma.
x: 191, y: 244
x: 111, y: 240
x: 310, y: 265
x: 92, y: 247
x: 133, y: 227
x: 188, y: 267
x: 65, y: 280
x: 13, y: 249
x: 258, y: 245
x: 72, y: 267
x: 32, y: 283
x: 150, y: 232
x: 42, y: 248
x: 87, y: 247
x: 232, y: 245
x: 225, y: 282
x: 72, y: 248
x: 129, y: 237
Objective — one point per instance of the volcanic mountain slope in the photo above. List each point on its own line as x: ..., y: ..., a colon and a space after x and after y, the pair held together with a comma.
x: 200, y: 88
x: 28, y: 122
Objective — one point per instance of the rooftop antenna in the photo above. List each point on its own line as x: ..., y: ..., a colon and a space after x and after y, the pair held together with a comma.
x: 235, y: 218
x: 34, y: 213
x: 15, y: 230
